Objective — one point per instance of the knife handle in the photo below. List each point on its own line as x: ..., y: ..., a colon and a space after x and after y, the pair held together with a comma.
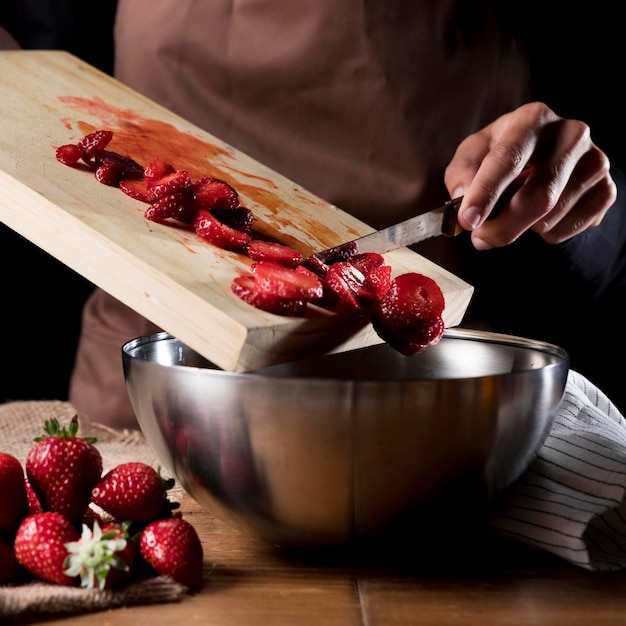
x: 450, y: 225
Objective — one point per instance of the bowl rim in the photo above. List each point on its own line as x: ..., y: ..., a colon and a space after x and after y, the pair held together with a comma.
x: 560, y: 355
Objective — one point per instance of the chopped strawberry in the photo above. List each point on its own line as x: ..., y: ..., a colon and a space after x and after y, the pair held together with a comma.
x: 13, y: 501
x: 63, y: 468
x: 367, y: 261
x: 69, y: 154
x: 172, y: 547
x: 408, y: 315
x: 133, y: 491
x: 215, y: 193
x: 212, y: 229
x: 346, y: 280
x: 285, y: 282
x: 259, y: 250
x: 342, y: 252
x: 127, y: 167
x: 239, y: 218
x: 137, y: 188
x: 109, y: 174
x: 40, y: 546
x: 329, y: 297
x: 157, y: 169
x: 246, y: 289
x: 313, y: 264
x: 98, y: 140
x: 351, y: 281
x: 377, y: 282
x: 406, y: 312
x: 169, y: 184
x: 179, y: 205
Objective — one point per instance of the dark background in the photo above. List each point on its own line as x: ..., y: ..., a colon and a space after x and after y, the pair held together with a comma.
x: 42, y: 299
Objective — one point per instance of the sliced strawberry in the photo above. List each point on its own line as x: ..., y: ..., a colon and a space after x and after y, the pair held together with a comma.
x: 423, y: 290
x: 215, y: 193
x: 170, y: 183
x: 239, y: 218
x: 408, y: 315
x: 98, y: 140
x: 329, y: 297
x: 180, y: 206
x: 157, y: 169
x: 377, y: 282
x: 137, y: 188
x: 259, y: 250
x: 346, y: 281
x: 313, y: 264
x: 428, y: 336
x: 109, y: 174
x: 128, y: 168
x: 284, y: 282
x: 342, y: 252
x: 69, y: 154
x: 245, y: 288
x: 210, y: 228
x: 367, y: 261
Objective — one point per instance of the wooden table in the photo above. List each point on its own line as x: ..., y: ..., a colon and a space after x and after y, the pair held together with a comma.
x: 252, y: 583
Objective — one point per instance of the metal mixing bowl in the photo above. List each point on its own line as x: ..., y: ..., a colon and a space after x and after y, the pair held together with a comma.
x: 333, y: 450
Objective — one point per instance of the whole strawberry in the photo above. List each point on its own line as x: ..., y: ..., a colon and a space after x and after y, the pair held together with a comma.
x: 34, y: 506
x: 63, y: 468
x: 40, y: 546
x: 102, y: 557
x: 172, y: 547
x: 133, y: 491
x: 8, y: 563
x: 13, y: 503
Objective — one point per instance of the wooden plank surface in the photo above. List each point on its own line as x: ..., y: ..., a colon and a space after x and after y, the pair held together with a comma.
x: 169, y: 275
x: 250, y: 583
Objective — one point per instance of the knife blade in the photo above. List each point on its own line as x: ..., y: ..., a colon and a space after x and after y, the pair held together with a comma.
x: 439, y: 221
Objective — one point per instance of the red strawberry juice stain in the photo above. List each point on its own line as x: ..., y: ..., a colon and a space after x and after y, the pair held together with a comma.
x: 144, y: 139
x: 186, y: 243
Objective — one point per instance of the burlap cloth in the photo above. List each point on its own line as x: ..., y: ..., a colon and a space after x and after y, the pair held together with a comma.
x: 19, y: 423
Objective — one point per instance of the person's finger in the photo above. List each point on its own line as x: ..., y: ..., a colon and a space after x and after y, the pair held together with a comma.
x: 587, y: 196
x: 487, y: 162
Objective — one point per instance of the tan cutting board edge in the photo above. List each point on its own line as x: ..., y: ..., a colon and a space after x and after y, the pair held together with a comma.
x: 167, y: 274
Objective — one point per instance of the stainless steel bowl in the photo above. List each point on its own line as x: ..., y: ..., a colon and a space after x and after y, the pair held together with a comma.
x: 333, y: 450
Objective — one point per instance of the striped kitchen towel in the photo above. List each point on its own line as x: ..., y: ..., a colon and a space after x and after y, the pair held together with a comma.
x: 572, y: 499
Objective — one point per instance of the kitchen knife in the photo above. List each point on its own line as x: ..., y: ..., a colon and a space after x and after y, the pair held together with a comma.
x: 440, y: 221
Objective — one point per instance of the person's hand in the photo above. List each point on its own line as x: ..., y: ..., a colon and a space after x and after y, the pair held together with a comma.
x: 568, y: 188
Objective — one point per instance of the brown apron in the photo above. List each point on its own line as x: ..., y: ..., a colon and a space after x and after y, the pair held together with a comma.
x: 362, y: 102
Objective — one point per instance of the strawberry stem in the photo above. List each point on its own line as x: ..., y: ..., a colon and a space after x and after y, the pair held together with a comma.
x: 94, y: 555
x: 53, y: 428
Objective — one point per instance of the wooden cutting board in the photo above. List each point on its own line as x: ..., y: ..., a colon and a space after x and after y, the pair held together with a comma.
x: 167, y: 274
